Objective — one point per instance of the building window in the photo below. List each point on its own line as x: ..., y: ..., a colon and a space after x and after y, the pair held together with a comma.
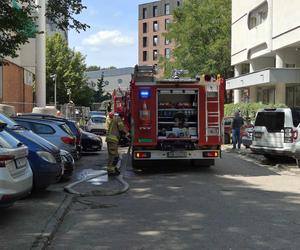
x: 167, y: 9
x: 168, y: 53
x: 258, y: 15
x: 178, y: 3
x: 155, y: 26
x: 155, y: 40
x: 293, y: 96
x: 266, y: 95
x: 155, y: 55
x: 155, y: 11
x: 167, y: 41
x: 145, y: 41
x: 145, y: 14
x: 245, y: 68
x: 167, y: 23
x: 290, y: 65
x: 145, y: 27
x: 145, y: 56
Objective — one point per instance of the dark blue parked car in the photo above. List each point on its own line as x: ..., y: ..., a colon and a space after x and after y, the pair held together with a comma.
x: 44, y: 157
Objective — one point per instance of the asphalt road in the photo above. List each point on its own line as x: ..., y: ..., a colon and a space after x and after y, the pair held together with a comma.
x: 236, y: 204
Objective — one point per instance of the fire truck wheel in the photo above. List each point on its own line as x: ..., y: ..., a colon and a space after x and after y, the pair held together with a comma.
x: 137, y: 165
x: 203, y: 163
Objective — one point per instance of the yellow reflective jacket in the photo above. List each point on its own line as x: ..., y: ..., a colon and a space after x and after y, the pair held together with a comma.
x: 115, y: 128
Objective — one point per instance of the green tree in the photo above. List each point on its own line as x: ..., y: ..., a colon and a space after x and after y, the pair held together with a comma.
x: 92, y: 68
x: 17, y: 21
x: 201, y: 31
x: 100, y: 94
x: 69, y: 67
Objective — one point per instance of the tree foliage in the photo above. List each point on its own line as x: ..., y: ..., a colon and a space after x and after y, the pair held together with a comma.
x: 69, y: 67
x: 17, y: 21
x: 92, y: 68
x: 100, y: 94
x: 96, y: 68
x: 201, y: 31
x: 248, y: 109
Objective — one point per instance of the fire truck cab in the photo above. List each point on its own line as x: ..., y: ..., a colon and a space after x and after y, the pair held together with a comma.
x: 176, y: 118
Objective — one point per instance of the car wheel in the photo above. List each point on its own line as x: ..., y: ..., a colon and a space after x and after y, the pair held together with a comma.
x: 270, y: 157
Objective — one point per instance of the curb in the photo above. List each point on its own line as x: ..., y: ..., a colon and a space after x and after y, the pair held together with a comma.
x: 42, y: 241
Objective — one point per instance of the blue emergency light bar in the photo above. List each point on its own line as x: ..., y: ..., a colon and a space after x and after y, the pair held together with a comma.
x: 144, y: 94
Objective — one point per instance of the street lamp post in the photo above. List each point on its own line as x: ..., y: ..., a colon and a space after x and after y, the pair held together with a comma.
x: 54, y: 77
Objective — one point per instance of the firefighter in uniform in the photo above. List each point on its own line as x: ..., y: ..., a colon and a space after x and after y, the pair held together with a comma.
x: 116, y: 129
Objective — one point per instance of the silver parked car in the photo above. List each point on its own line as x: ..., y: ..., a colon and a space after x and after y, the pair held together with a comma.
x: 276, y: 133
x: 56, y: 132
x: 97, y: 124
x: 15, y: 171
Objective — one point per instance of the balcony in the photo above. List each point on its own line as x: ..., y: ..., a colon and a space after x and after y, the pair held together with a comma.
x: 264, y: 76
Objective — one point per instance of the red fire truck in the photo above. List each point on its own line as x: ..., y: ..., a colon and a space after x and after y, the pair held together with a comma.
x: 175, y: 118
x: 121, y: 100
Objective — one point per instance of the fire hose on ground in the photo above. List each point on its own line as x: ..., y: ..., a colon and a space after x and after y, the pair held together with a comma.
x: 125, y: 186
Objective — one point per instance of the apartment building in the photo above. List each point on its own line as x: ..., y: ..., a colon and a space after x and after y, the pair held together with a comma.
x: 154, y: 18
x: 265, y: 51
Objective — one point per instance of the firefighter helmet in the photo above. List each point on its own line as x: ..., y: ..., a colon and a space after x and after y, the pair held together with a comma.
x: 111, y: 115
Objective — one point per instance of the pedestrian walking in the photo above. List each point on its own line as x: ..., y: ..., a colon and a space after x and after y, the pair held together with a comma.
x: 237, y: 123
x: 116, y: 129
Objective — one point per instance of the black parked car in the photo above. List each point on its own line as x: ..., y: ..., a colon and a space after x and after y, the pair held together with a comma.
x: 90, y: 141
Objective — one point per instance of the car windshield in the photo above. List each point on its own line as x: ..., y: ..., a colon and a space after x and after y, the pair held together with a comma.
x: 10, y: 123
x: 96, y: 113
x: 273, y: 121
x: 98, y: 119
x: 8, y: 141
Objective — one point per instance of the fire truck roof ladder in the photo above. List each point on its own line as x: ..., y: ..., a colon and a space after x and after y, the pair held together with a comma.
x: 144, y: 73
x: 212, y: 96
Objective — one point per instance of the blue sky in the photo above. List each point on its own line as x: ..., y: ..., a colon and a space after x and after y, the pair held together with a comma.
x: 112, y: 39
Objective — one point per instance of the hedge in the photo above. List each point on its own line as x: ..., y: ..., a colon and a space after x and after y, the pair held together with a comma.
x: 248, y: 109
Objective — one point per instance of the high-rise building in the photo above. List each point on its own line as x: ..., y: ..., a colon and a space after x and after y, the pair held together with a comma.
x: 154, y: 19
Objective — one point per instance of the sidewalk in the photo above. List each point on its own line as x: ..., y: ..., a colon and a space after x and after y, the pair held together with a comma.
x: 278, y: 166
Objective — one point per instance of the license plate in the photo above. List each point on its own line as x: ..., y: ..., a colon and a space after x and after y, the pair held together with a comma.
x: 177, y: 154
x: 20, y: 163
x: 258, y: 135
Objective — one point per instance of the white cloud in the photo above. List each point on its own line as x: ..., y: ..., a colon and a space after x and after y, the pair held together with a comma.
x: 79, y: 48
x: 108, y: 38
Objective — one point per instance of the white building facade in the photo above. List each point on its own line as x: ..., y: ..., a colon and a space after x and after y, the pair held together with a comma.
x: 113, y: 78
x: 265, y: 51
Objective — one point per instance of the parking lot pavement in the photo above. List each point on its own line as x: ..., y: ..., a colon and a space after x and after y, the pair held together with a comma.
x: 29, y: 222
x: 22, y: 224
x: 281, y: 165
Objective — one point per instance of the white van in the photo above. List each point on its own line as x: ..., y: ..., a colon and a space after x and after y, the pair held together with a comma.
x: 276, y: 133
